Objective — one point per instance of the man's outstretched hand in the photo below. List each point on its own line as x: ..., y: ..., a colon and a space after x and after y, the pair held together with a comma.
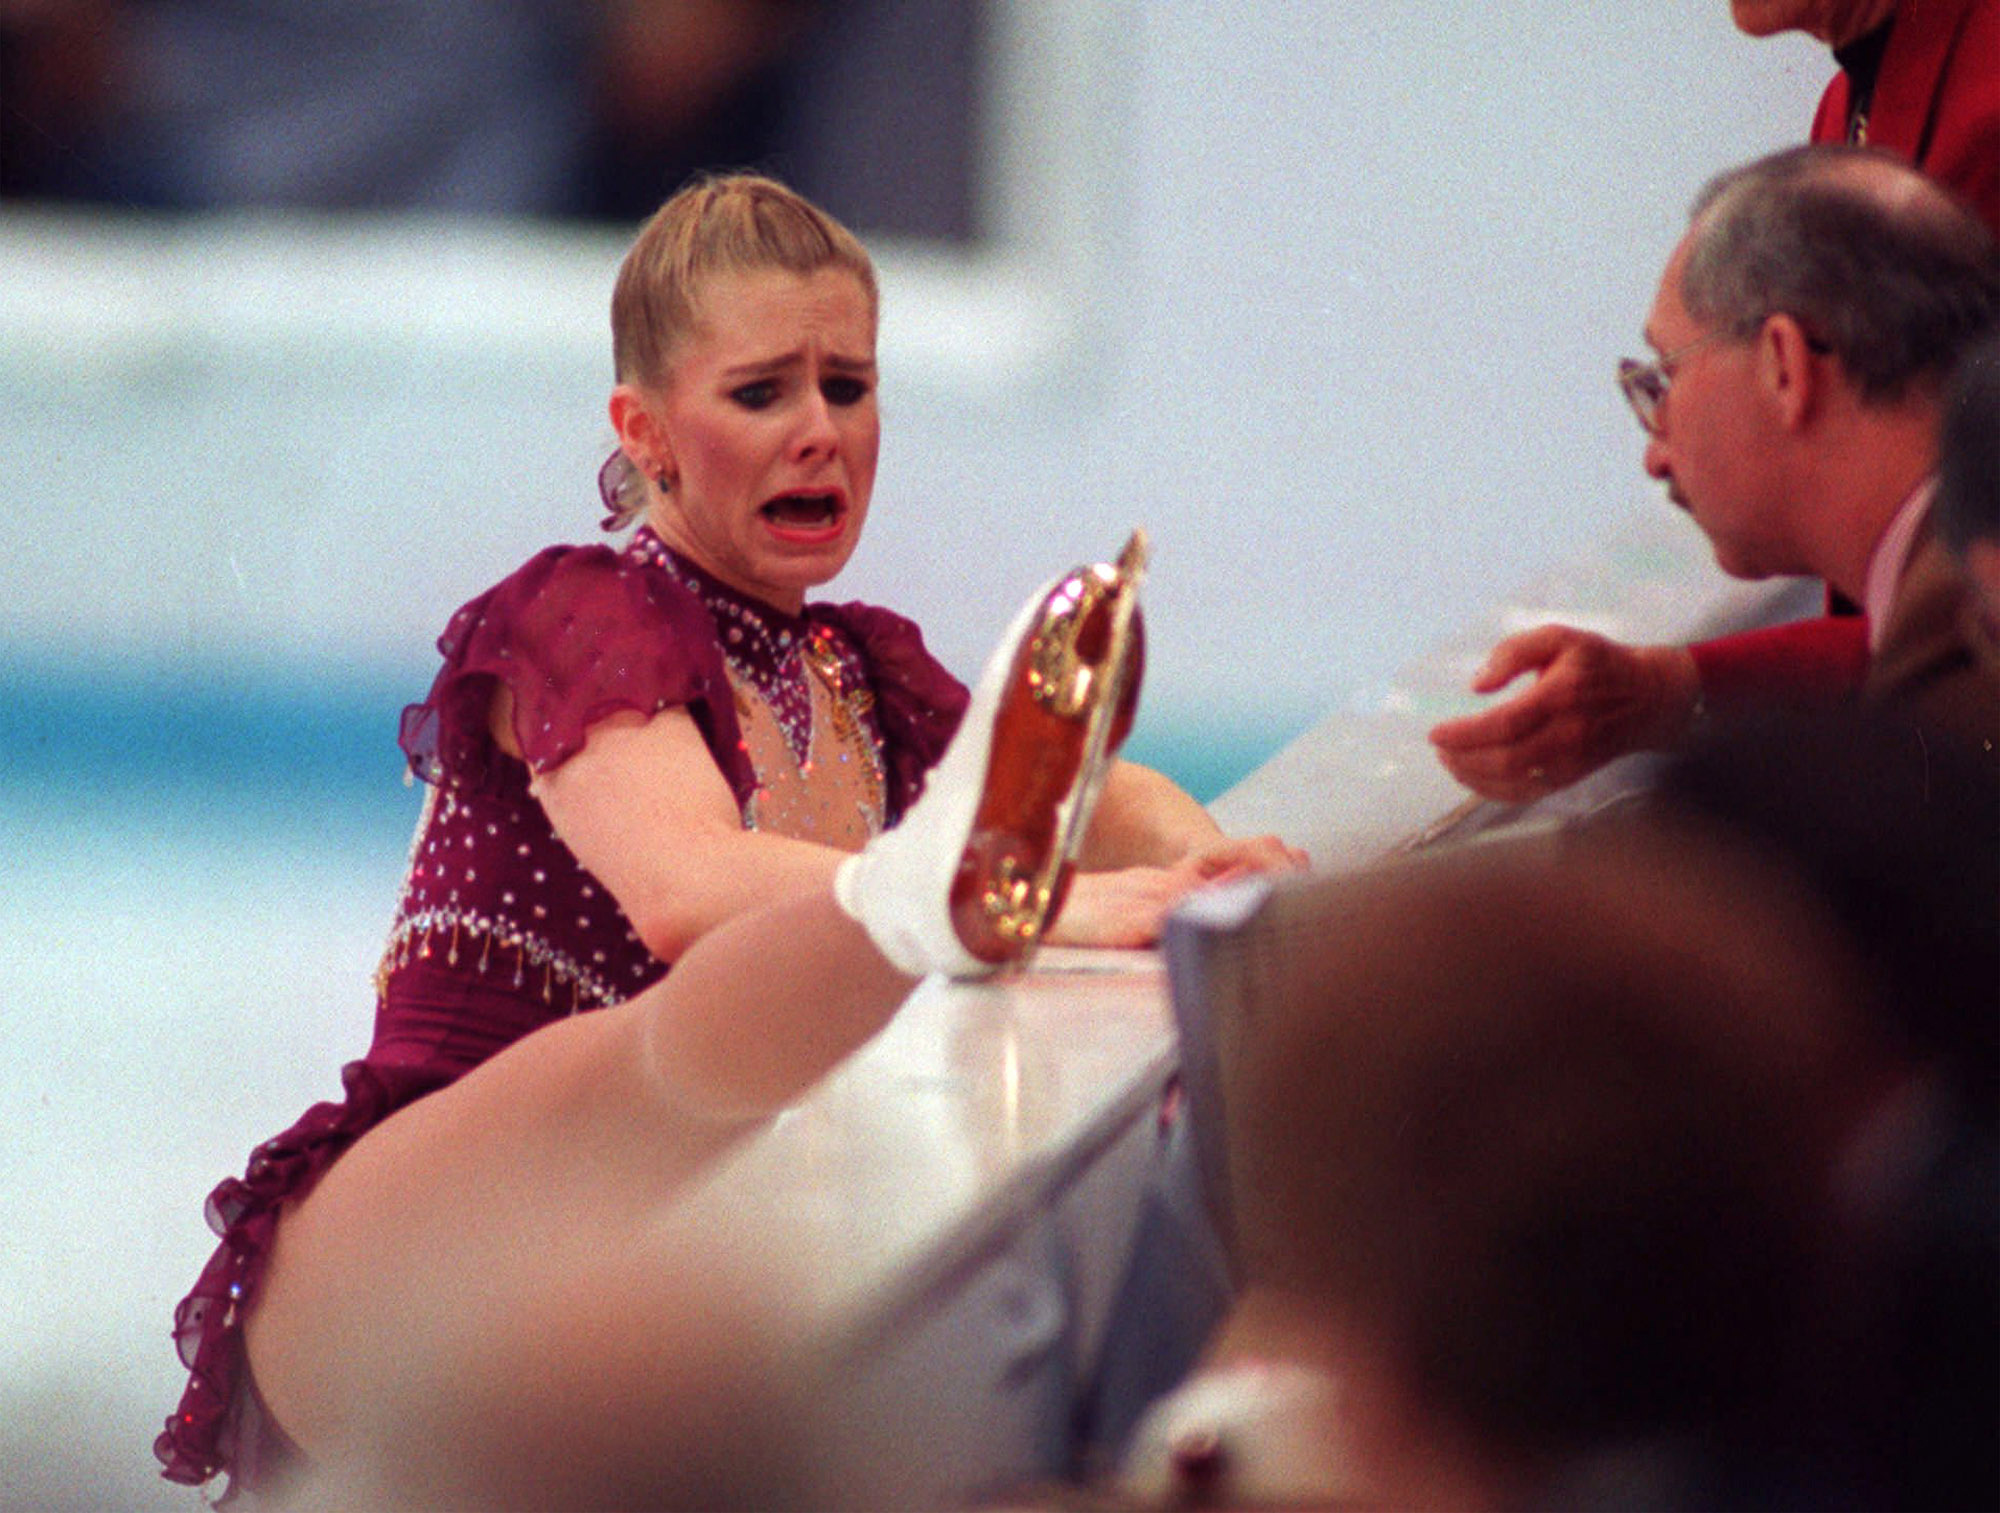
x: 1593, y: 700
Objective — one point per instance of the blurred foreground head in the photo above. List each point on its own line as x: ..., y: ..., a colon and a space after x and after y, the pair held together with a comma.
x: 1561, y: 1134
x: 1968, y: 497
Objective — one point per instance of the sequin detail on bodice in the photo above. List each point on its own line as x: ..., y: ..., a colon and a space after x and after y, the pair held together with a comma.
x: 493, y: 893
x: 836, y: 802
x: 798, y: 683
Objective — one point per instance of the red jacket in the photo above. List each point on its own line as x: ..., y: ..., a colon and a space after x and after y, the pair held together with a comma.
x: 1936, y: 104
x: 1937, y: 98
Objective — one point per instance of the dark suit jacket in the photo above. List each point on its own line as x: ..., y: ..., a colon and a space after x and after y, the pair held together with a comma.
x: 1930, y: 662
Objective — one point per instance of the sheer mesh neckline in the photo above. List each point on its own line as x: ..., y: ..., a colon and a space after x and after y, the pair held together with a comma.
x: 765, y: 647
x: 762, y: 640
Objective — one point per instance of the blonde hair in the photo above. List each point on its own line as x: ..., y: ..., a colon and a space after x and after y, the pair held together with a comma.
x: 717, y: 224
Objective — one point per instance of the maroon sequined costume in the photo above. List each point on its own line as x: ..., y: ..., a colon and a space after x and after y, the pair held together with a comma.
x: 823, y: 724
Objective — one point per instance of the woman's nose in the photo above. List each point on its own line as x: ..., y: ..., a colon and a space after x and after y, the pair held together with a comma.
x: 817, y: 432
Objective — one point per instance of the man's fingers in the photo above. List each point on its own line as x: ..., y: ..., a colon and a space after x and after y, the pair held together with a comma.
x: 1498, y: 784
x: 1495, y: 766
x: 1517, y: 771
x: 1520, y: 718
x: 1528, y: 651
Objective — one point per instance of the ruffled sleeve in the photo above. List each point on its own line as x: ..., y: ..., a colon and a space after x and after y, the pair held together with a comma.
x: 577, y: 634
x: 918, y: 703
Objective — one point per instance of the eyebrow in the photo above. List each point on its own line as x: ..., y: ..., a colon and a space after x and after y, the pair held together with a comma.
x: 793, y: 359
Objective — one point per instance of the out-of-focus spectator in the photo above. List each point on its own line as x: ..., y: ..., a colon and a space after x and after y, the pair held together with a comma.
x: 683, y: 86
x: 1529, y: 1161
x: 1898, y: 832
x: 506, y: 107
x: 1643, y: 1164
x: 872, y: 107
x: 55, y: 80
x: 1968, y: 502
x: 474, y: 105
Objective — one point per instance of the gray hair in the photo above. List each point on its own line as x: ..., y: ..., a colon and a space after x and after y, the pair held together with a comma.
x: 1879, y: 264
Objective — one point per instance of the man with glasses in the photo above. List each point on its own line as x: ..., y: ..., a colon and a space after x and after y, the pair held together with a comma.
x: 1805, y: 328
x: 1918, y: 78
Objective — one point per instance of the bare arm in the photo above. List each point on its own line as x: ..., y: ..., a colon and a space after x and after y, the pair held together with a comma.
x: 1145, y: 819
x: 644, y: 807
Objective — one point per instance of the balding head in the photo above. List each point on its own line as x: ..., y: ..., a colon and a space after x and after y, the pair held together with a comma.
x: 1875, y: 261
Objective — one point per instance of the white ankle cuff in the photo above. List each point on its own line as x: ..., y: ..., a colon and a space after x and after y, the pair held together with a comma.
x: 903, y: 942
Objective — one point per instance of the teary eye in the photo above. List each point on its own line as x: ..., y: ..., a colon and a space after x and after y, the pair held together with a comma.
x: 755, y: 396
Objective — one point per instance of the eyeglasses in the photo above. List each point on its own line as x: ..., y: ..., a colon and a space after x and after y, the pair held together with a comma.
x: 1644, y: 384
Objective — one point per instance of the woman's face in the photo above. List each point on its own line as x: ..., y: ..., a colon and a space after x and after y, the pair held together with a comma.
x: 767, y: 429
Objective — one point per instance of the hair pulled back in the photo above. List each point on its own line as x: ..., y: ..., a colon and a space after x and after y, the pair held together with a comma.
x: 1887, y: 268
x: 717, y: 224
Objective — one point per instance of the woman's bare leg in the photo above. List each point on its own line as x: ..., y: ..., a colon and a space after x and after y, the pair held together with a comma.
x: 489, y: 1284
x: 765, y: 1005
x: 488, y: 1299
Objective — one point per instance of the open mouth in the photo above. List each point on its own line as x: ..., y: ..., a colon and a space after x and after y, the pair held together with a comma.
x: 804, y: 512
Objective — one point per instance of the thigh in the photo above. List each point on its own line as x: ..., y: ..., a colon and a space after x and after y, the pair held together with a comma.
x: 487, y: 1262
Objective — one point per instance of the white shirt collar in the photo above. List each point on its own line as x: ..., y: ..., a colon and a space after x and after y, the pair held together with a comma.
x: 1891, y: 556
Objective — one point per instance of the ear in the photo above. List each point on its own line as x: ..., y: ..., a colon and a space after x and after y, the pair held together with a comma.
x: 1788, y: 371
x: 641, y: 436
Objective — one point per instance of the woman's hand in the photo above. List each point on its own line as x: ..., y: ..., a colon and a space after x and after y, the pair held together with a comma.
x: 1230, y: 856
x: 1145, y: 819
x: 1127, y: 908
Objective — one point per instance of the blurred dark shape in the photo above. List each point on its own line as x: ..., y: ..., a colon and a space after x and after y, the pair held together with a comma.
x: 56, y: 67
x: 498, y: 107
x: 1650, y: 1162
x: 1508, y: 1131
x: 1968, y: 498
x: 872, y: 109
x: 1897, y: 830
x: 460, y: 105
